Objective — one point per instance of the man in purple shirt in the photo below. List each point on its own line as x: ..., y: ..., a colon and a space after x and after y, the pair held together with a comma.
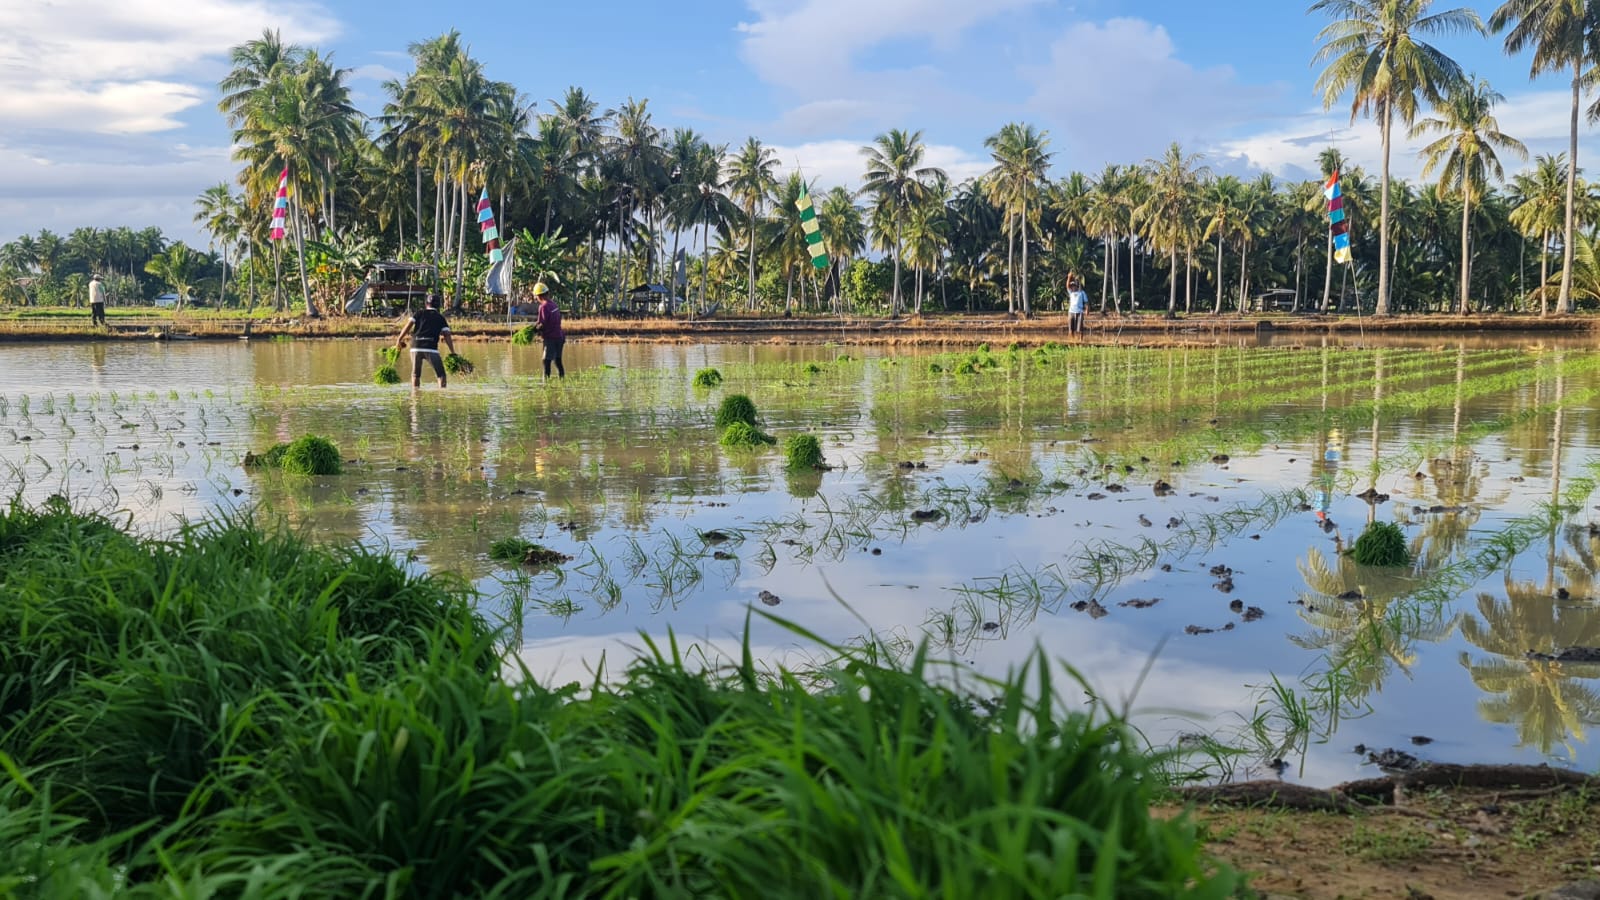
x: 548, y: 324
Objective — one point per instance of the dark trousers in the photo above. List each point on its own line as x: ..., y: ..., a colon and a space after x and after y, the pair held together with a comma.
x: 417, y: 356
x: 97, y: 314
x: 552, y: 354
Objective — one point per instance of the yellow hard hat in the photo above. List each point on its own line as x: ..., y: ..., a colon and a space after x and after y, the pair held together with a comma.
x: 540, y: 288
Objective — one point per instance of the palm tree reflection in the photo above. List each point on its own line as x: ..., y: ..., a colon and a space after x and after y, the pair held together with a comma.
x: 1542, y: 698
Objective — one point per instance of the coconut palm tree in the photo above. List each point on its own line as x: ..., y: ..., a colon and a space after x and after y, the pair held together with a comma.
x: 752, y: 178
x: 698, y: 198
x: 1539, y: 201
x: 1021, y: 159
x: 179, y: 267
x: 1106, y: 218
x: 218, y: 211
x: 1466, y: 155
x: 255, y: 66
x: 1560, y: 33
x: 1169, y: 206
x: 1219, y: 206
x: 844, y: 232
x: 897, y: 180
x: 1373, y: 52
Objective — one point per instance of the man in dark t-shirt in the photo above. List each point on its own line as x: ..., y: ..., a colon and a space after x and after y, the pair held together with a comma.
x: 427, y: 327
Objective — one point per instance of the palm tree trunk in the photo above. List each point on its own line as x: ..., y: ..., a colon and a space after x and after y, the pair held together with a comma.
x: 1299, y: 269
x: 417, y: 168
x: 1218, y: 310
x: 1544, y: 274
x: 1564, y: 301
x: 1011, y: 267
x: 1386, y: 122
x: 750, y: 212
x: 705, y: 260
x: 300, y: 251
x: 1466, y: 247
x: 461, y: 242
x: 222, y: 295
x: 1244, y: 269
x: 1188, y: 280
x: 895, y: 294
x: 1327, y: 277
x: 1133, y: 259
x: 1105, y: 271
x: 1172, y: 281
x: 1027, y: 306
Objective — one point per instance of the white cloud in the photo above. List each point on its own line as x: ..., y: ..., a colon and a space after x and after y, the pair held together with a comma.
x: 375, y: 72
x: 840, y: 162
x: 88, y: 88
x: 108, y: 65
x: 835, y: 79
x: 1537, y: 118
x: 811, y: 46
x: 1118, y: 92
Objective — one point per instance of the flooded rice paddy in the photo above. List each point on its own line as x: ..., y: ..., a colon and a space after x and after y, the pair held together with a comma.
x: 1168, y: 523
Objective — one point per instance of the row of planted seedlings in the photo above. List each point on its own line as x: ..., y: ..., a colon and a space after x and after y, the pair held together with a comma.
x: 237, y: 712
x: 838, y: 524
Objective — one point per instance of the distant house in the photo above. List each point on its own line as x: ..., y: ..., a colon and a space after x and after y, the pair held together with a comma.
x: 169, y: 300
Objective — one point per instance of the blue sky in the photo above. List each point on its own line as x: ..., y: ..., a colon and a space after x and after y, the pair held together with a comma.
x: 107, y: 107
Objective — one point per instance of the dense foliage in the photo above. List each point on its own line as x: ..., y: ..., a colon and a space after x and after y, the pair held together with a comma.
x: 605, y: 199
x: 234, y: 712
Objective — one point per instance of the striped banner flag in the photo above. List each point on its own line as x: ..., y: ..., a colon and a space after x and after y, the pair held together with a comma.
x: 1336, y: 219
x: 491, y: 234
x: 280, y: 207
x: 808, y: 223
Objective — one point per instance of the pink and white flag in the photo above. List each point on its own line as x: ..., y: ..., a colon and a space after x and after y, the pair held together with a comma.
x: 280, y: 206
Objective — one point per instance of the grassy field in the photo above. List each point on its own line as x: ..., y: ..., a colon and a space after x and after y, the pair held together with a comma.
x: 234, y: 712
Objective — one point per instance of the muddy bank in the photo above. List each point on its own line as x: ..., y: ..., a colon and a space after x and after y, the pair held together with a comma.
x: 1443, y: 831
x: 939, y: 330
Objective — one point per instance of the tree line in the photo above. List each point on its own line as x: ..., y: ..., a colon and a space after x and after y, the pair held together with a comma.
x: 604, y: 199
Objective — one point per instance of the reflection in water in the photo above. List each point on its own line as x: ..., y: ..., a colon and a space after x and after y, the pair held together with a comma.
x: 1083, y: 497
x: 1549, y: 702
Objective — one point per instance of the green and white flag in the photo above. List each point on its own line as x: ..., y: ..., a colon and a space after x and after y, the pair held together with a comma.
x: 808, y: 223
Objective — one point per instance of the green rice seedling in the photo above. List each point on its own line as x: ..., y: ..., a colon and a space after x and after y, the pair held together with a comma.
x: 743, y: 434
x: 511, y: 550
x: 802, y: 453
x: 271, y: 459
x: 812, y: 368
x: 707, y: 378
x: 311, y: 455
x: 456, y: 364
x: 1381, y: 544
x: 391, y: 354
x: 935, y: 369
x: 735, y: 408
x: 525, y: 336
x: 386, y: 374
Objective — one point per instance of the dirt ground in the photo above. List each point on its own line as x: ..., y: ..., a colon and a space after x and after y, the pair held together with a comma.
x: 1457, y: 837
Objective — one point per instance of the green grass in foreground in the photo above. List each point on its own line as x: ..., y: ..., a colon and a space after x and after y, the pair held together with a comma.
x: 234, y: 712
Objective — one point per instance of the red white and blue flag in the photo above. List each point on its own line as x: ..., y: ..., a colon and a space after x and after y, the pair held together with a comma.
x: 1337, y: 223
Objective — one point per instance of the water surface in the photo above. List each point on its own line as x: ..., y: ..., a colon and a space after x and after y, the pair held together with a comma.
x: 1037, y: 477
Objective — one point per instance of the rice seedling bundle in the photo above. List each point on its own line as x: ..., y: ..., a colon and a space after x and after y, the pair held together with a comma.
x: 802, y: 452
x: 735, y: 408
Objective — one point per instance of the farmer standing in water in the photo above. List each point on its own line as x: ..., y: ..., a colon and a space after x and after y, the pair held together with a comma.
x: 549, y: 327
x: 427, y: 327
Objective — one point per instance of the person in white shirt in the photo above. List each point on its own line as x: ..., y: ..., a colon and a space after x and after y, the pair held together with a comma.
x: 97, y: 300
x: 1078, y: 305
